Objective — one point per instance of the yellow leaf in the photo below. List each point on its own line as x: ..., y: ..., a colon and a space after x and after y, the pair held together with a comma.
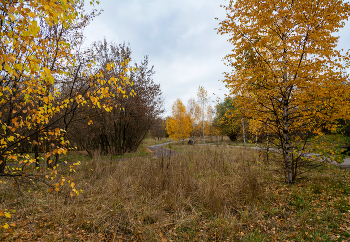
x: 72, y: 184
x: 11, y: 59
x: 6, y: 226
x: 7, y: 215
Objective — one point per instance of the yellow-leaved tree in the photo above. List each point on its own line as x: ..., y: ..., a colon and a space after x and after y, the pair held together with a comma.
x: 36, y: 51
x: 286, y: 70
x: 194, y: 111
x: 179, y: 124
x: 38, y: 42
x: 202, y: 95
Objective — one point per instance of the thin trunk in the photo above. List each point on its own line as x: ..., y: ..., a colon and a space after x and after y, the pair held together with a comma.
x: 48, y: 159
x: 243, y: 132
x: 192, y: 132
x: 2, y: 164
x: 286, y: 144
x: 57, y: 158
x: 267, y: 141
x: 203, y: 131
x: 36, y: 149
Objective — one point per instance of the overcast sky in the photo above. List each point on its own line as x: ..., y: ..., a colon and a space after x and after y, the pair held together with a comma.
x: 179, y: 38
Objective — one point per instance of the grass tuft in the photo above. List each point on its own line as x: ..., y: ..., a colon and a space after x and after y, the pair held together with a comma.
x: 201, y: 194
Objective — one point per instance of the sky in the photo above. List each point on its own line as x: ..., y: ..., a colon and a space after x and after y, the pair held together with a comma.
x: 179, y: 38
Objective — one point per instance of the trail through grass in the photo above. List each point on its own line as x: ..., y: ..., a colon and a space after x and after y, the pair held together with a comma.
x: 205, y: 193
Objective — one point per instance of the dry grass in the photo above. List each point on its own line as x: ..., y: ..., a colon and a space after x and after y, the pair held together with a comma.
x: 150, y: 141
x: 204, y: 194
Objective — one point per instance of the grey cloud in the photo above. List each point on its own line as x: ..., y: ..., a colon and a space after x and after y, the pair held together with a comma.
x: 179, y: 38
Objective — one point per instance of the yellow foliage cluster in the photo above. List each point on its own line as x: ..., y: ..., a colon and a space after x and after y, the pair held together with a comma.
x: 286, y: 70
x: 179, y: 125
x: 32, y: 61
x: 34, y: 65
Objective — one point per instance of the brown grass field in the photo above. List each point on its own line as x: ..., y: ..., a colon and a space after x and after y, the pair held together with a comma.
x: 204, y: 193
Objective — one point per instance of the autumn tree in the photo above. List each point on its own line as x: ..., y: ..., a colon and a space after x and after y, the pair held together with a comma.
x: 194, y: 111
x: 202, y: 96
x: 228, y: 119
x: 36, y: 47
x: 157, y: 130
x: 178, y: 125
x: 122, y: 129
x: 287, y: 70
x: 209, y: 115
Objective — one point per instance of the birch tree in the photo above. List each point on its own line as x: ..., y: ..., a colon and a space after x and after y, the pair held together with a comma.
x: 194, y: 111
x: 286, y: 68
x: 178, y: 125
x: 202, y: 95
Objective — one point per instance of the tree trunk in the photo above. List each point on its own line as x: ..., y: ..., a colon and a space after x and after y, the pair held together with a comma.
x: 267, y: 141
x: 57, y: 158
x: 286, y: 154
x: 36, y: 149
x: 48, y: 159
x: 286, y: 145
x: 2, y: 165
x: 243, y: 132
x: 203, y: 132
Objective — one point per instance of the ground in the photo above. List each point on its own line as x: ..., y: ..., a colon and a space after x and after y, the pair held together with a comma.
x: 203, y: 193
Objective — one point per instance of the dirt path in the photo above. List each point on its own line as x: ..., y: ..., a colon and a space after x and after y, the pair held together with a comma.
x: 159, y: 151
x: 345, y: 164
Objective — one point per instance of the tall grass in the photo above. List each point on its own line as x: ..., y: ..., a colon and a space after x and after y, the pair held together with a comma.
x: 206, y: 193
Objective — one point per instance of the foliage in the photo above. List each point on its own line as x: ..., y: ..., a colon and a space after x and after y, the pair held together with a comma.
x: 122, y: 129
x: 178, y: 125
x: 194, y: 110
x: 344, y: 127
x: 158, y: 130
x: 210, y: 130
x: 38, y: 50
x: 287, y: 73
x: 227, y: 119
x: 202, y: 95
